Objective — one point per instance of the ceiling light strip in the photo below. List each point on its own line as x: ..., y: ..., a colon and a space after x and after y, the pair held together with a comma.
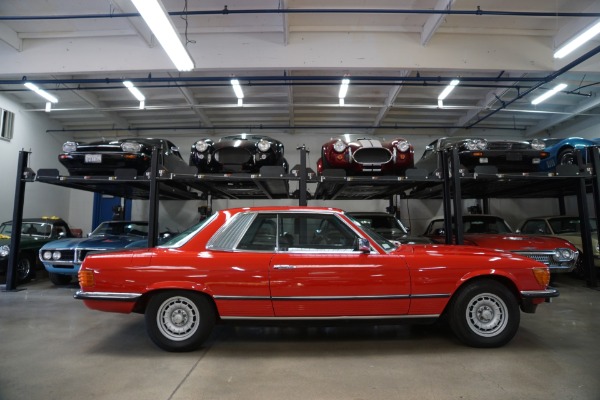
x: 162, y: 27
x: 578, y: 41
x: 549, y: 94
x: 41, y: 92
x: 448, y: 89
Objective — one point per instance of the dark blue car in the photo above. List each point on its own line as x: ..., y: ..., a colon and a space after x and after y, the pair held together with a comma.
x: 63, y: 258
x: 562, y: 151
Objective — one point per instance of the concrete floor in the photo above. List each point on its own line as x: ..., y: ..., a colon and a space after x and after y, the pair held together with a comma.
x: 52, y: 347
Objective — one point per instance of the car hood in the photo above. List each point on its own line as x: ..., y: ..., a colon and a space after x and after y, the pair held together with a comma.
x: 104, y: 242
x: 515, y: 242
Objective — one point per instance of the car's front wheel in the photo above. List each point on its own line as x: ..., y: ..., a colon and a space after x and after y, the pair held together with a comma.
x: 179, y: 320
x: 25, y: 268
x: 484, y: 313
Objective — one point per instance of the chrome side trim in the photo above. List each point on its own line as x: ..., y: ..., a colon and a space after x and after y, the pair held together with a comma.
x: 544, y: 294
x: 218, y: 297
x: 340, y: 318
x: 335, y: 298
x: 110, y: 296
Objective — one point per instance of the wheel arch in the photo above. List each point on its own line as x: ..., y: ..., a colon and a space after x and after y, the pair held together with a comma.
x: 142, y: 303
x: 466, y: 281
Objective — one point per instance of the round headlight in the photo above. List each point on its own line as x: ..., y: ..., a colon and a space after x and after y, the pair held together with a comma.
x: 56, y: 255
x: 47, y: 255
x: 566, y: 254
x: 264, y: 145
x: 403, y: 145
x: 471, y: 145
x: 538, y: 144
x: 131, y: 147
x: 69, y: 147
x: 339, y: 146
x: 481, y: 144
x: 4, y: 250
x: 201, y: 146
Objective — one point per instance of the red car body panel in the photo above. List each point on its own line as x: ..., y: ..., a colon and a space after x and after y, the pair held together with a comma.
x: 416, y: 280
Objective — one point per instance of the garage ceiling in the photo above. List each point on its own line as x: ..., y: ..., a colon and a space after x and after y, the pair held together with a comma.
x: 290, y: 57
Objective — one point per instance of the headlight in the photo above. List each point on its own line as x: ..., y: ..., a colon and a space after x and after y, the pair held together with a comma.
x: 47, y: 255
x: 564, y: 254
x: 339, y: 146
x: 537, y: 144
x: 4, y: 250
x: 263, y: 145
x: 476, y: 144
x: 131, y: 147
x: 69, y: 147
x: 201, y: 146
x: 403, y: 145
x: 56, y: 255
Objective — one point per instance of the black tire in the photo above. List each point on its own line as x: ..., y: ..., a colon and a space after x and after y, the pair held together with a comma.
x: 60, y: 279
x: 25, y: 268
x: 566, y: 156
x: 179, y: 320
x: 580, y: 271
x: 484, y: 313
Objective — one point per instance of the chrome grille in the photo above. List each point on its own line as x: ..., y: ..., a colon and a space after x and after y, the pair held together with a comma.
x: 543, y: 257
x: 372, y: 155
x: 507, y: 146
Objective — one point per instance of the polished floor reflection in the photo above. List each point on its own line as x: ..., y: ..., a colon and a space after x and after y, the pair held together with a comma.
x: 52, y: 347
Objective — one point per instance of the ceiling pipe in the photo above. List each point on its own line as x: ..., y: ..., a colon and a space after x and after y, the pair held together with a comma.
x: 227, y: 11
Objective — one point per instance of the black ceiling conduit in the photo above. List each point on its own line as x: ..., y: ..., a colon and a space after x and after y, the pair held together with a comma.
x: 227, y: 11
x: 549, y: 78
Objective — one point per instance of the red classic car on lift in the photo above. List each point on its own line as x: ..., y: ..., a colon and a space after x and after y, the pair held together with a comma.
x: 493, y: 232
x: 364, y: 155
x: 282, y: 264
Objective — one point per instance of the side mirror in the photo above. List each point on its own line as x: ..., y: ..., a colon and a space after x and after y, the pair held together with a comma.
x: 518, y: 231
x: 62, y: 234
x: 362, y: 245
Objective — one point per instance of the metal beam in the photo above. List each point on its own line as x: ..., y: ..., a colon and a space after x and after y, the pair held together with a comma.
x: 434, y: 21
x: 10, y: 37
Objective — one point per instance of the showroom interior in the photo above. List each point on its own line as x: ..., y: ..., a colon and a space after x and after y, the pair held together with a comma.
x: 308, y: 72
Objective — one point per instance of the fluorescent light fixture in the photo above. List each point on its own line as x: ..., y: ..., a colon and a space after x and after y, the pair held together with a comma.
x: 134, y: 91
x: 448, y: 89
x: 41, y: 92
x: 549, y: 94
x: 240, y: 102
x: 48, y: 106
x: 237, y: 88
x: 142, y: 104
x: 440, y: 103
x: 342, y: 102
x: 578, y: 41
x: 344, y: 88
x: 162, y: 27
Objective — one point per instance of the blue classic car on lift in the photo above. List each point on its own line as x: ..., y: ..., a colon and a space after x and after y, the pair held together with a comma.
x: 63, y: 258
x: 561, y: 151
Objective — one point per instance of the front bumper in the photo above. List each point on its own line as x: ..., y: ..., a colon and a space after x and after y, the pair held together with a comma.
x: 505, y: 161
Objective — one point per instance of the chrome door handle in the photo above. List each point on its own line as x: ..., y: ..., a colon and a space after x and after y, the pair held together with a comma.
x: 280, y: 266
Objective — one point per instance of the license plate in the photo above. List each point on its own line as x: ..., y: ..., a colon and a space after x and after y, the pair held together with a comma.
x: 93, y: 158
x: 514, y: 156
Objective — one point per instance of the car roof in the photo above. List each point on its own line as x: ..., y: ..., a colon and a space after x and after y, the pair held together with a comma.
x: 284, y: 208
x: 41, y: 220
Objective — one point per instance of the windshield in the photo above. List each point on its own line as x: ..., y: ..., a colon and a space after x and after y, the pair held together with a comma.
x: 185, y: 236
x: 569, y: 225
x: 380, y: 223
x: 115, y: 228
x: 380, y: 240
x: 34, y: 229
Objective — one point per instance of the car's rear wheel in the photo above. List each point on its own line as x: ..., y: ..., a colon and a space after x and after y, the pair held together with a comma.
x: 179, y: 320
x: 59, y: 279
x: 566, y: 156
x: 25, y: 268
x: 484, y: 313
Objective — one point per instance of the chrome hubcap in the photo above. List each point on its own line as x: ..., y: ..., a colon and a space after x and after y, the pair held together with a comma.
x: 486, y: 315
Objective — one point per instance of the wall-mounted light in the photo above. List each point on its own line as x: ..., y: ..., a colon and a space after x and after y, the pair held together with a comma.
x: 239, y: 93
x: 162, y: 27
x: 136, y: 93
x: 343, y: 90
x: 548, y: 94
x: 578, y: 41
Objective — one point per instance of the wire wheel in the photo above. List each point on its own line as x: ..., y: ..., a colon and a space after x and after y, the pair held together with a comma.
x: 178, y: 318
x: 486, y: 315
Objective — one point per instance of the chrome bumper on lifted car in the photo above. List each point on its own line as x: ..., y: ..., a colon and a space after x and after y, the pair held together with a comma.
x: 110, y: 296
x: 555, y: 262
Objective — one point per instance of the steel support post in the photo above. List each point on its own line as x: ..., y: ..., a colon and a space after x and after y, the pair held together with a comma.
x: 456, y: 196
x: 594, y: 157
x: 17, y: 222
x: 444, y: 163
x: 153, y: 201
x: 302, y: 186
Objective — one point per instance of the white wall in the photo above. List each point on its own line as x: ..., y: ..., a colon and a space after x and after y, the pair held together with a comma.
x: 30, y: 135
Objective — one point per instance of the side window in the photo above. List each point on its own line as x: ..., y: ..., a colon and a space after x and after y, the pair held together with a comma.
x: 315, y: 233
x: 534, y: 227
x: 261, y: 234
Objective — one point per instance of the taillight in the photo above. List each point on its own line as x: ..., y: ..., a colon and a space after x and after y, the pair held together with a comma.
x: 86, y: 278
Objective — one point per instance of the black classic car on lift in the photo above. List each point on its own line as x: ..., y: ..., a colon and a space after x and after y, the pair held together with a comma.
x: 103, y: 157
x: 506, y: 155
x: 237, y: 153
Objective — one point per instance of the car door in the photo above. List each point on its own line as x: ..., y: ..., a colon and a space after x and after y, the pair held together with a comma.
x: 319, y: 274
